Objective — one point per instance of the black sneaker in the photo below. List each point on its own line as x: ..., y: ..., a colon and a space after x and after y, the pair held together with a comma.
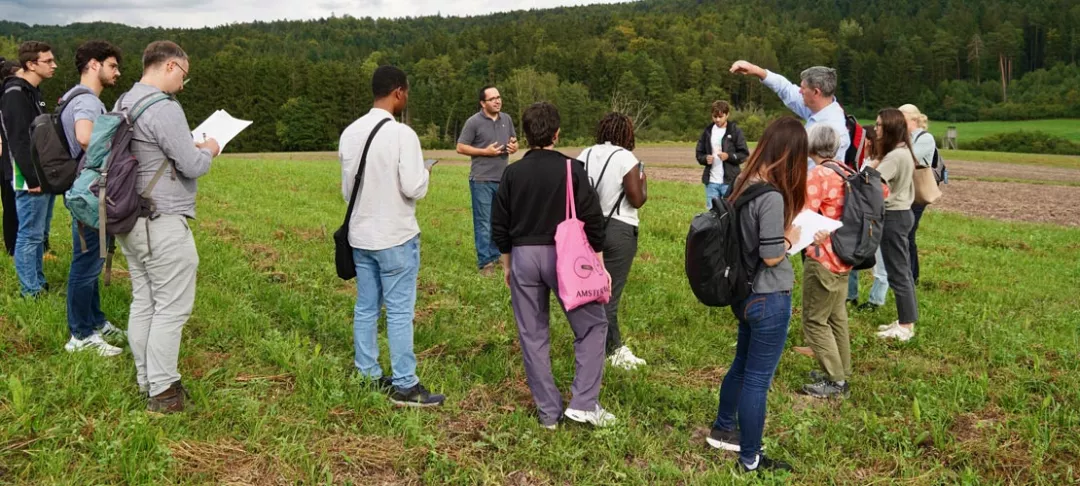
x: 867, y: 307
x: 826, y: 389
x: 766, y: 464
x: 727, y: 440
x: 417, y: 396
x: 853, y: 302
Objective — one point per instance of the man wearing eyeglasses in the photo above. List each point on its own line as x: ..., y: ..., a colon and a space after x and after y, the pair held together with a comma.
x: 20, y: 103
x: 489, y: 138
x: 160, y: 249
x: 98, y: 63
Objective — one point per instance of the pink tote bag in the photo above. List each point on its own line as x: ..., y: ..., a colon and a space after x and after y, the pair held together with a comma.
x: 582, y: 277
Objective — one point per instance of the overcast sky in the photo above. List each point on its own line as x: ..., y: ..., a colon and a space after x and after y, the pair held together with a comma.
x: 202, y: 13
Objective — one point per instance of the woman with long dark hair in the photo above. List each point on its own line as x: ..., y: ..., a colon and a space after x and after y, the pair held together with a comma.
x: 894, y: 159
x: 767, y: 233
x: 619, y: 181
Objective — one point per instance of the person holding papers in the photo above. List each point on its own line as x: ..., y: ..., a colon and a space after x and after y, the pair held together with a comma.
x: 767, y: 233
x: 825, y: 275
x: 160, y: 249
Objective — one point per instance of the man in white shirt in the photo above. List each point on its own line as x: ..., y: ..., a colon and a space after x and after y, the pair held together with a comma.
x: 813, y: 100
x: 385, y: 236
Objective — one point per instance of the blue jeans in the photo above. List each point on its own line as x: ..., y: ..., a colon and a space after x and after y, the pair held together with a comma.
x: 714, y: 191
x: 763, y: 326
x: 83, y: 297
x: 878, y: 290
x: 386, y: 277
x: 482, y: 195
x: 34, y: 211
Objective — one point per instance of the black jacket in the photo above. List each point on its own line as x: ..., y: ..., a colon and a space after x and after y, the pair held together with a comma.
x: 20, y: 103
x: 733, y: 144
x: 531, y: 202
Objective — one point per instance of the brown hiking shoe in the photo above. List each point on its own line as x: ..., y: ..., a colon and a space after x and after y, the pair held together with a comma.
x: 168, y: 401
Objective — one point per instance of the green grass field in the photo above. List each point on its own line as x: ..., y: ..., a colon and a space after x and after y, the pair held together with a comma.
x: 987, y: 393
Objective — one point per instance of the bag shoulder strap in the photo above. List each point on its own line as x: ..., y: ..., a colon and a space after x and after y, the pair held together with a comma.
x: 842, y: 171
x: 358, y: 180
x: 604, y: 169
x: 145, y: 103
x: 571, y: 206
x: 63, y: 104
x: 752, y: 193
x: 622, y: 194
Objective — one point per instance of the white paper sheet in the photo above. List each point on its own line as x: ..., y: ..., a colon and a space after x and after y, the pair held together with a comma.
x: 811, y: 223
x: 220, y: 126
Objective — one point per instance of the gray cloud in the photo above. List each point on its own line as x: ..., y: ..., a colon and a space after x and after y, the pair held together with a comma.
x: 202, y: 13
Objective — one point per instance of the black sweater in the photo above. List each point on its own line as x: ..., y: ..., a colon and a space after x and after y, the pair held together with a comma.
x: 733, y: 144
x: 20, y: 103
x: 531, y: 202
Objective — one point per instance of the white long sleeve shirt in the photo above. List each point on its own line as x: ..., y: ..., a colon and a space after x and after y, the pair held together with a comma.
x: 395, y: 177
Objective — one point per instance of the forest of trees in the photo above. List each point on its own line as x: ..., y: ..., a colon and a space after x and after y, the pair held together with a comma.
x: 302, y: 82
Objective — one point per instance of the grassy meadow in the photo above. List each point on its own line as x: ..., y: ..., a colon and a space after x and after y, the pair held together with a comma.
x: 987, y: 393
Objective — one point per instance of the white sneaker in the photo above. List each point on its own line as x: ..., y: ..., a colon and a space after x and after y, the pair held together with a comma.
x: 598, y: 417
x: 110, y: 331
x: 625, y: 359
x: 898, y: 332
x: 94, y: 343
x: 886, y: 327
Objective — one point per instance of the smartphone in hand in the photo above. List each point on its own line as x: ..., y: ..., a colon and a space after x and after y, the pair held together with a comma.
x: 429, y: 163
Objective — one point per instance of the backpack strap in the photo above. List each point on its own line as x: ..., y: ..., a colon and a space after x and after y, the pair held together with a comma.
x: 143, y: 104
x: 357, y: 182
x: 622, y: 194
x: 842, y: 171
x: 753, y: 192
x: 60, y: 119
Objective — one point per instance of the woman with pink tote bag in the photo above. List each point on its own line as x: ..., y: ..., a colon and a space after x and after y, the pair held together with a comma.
x: 548, y: 225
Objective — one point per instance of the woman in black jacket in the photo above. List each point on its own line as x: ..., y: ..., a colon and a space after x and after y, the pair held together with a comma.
x: 723, y: 142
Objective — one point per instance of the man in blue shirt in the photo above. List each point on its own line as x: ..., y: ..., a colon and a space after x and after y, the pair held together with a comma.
x: 813, y: 100
x: 98, y: 63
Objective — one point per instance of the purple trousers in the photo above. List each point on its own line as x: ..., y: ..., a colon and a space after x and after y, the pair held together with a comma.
x: 532, y: 279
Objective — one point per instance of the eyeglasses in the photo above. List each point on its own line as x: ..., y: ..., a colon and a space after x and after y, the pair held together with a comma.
x: 186, y: 78
x: 50, y: 61
x: 497, y: 98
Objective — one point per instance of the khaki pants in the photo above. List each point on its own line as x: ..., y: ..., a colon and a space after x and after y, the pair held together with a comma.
x: 824, y: 319
x: 162, y: 265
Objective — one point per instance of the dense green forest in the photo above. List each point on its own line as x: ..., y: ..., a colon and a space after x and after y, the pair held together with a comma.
x: 664, y: 60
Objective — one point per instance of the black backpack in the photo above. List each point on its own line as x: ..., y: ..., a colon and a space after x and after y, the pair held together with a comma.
x: 864, y: 216
x: 51, y: 150
x: 714, y: 258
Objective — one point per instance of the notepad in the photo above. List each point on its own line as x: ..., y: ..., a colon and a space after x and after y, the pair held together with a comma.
x: 220, y: 126
x: 811, y: 223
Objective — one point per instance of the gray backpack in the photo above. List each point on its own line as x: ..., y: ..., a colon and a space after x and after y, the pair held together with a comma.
x: 864, y: 216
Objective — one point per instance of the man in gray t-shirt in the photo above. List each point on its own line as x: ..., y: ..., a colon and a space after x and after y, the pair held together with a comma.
x: 98, y: 63
x: 489, y: 138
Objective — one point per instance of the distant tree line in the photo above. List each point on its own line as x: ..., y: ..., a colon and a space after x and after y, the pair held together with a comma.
x: 302, y: 82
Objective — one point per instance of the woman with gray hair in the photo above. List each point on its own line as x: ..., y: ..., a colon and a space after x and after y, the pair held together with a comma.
x: 825, y: 275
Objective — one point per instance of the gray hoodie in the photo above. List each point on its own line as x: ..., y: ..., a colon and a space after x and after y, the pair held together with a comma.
x: 162, y: 134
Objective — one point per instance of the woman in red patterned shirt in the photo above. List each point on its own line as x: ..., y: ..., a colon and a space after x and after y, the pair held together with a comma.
x: 825, y: 276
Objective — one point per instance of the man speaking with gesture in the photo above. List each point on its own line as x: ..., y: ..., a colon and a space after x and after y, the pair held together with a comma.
x: 489, y: 138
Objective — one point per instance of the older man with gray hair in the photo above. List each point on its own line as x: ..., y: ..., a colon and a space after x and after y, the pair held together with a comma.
x: 813, y: 100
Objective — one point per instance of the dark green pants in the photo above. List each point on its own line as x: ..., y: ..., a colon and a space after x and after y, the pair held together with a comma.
x: 824, y: 319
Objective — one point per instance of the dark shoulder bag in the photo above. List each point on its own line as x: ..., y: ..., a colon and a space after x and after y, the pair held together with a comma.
x: 343, y: 254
